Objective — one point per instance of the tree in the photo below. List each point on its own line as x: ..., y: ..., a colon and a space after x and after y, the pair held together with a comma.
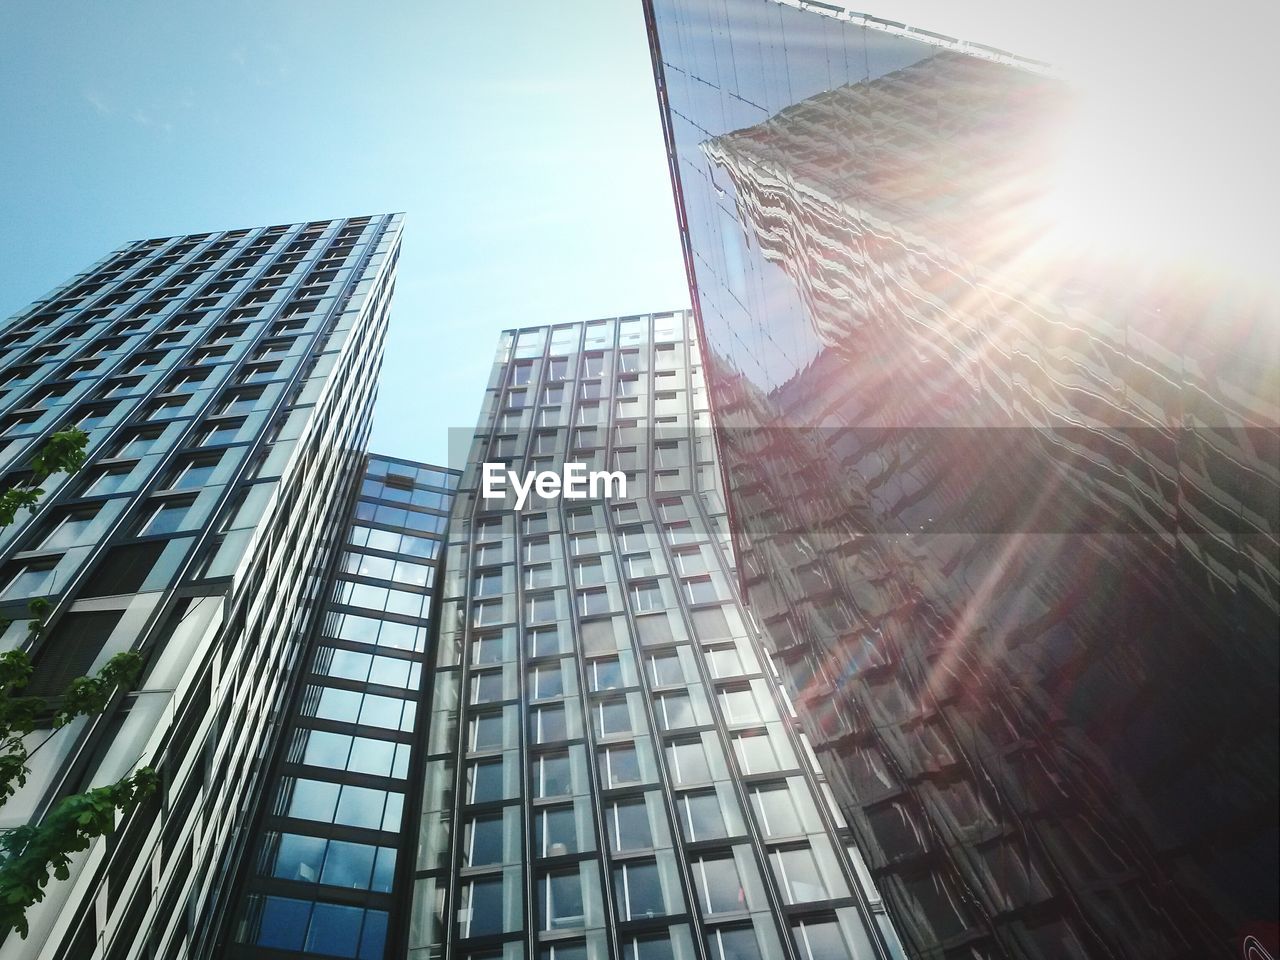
x: 28, y: 854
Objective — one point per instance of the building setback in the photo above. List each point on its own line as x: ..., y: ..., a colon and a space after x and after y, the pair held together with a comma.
x: 1007, y: 512
x: 226, y: 381
x: 613, y: 769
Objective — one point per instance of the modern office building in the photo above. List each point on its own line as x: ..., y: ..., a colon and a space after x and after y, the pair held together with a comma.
x: 332, y: 854
x: 226, y: 382
x: 612, y: 768
x: 1006, y: 511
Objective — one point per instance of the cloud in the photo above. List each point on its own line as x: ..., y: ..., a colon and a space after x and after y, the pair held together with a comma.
x: 98, y: 102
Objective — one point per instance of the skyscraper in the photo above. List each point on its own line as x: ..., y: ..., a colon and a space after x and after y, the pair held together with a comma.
x: 612, y: 769
x: 332, y: 853
x: 226, y: 381
x: 1006, y: 511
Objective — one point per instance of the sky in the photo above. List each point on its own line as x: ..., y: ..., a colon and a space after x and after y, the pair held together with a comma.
x: 521, y: 139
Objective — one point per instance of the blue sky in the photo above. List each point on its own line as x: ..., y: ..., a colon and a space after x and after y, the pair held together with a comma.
x: 521, y: 138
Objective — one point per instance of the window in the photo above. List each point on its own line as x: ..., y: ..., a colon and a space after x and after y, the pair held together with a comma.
x: 483, y: 840
x: 725, y: 661
x: 593, y: 365
x: 665, y: 669
x: 486, y: 687
x: 739, y: 705
x: 544, y: 642
x: 488, y: 583
x: 548, y: 724
x: 612, y: 717
x: 675, y: 710
x: 819, y: 940
x: 552, y: 776
x: 701, y: 816
x: 755, y: 752
x: 194, y: 474
x: 719, y: 885
x: 775, y: 810
x: 621, y: 766
x: 737, y: 943
x: 558, y: 368
x: 534, y: 524
x: 29, y: 580
x: 638, y: 889
x: 547, y: 681
x: 484, y: 781
x: 583, y: 543
x: 604, y: 674
x: 560, y: 900
x: 521, y: 373
x: 486, y: 650
x: 540, y: 607
x: 628, y: 823
x: 645, y: 596
x: 557, y: 832
x: 688, y: 762
x: 588, y: 573
x: 797, y: 873
x: 482, y: 913
x: 168, y: 517
x: 592, y: 602
x: 539, y: 576
x: 69, y: 531
x: 537, y: 551
x: 486, y: 731
x: 700, y: 590
x: 640, y: 565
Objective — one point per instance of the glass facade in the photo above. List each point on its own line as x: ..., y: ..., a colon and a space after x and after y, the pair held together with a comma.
x: 226, y: 381
x: 333, y: 838
x: 1006, y: 512
x: 612, y: 768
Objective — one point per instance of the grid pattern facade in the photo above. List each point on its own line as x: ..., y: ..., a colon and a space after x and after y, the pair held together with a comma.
x: 1007, y: 512
x: 333, y: 841
x: 612, y: 769
x: 226, y: 381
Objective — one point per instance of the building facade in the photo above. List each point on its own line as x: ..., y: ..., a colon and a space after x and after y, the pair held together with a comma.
x: 226, y: 381
x: 332, y: 851
x: 1005, y: 510
x: 612, y: 769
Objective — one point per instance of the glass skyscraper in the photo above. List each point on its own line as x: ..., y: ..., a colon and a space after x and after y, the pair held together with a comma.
x: 226, y: 381
x: 332, y: 854
x: 612, y: 768
x: 1007, y: 512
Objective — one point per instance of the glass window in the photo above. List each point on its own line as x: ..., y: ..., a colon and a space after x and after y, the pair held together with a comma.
x: 588, y: 573
x: 486, y: 731
x: 719, y: 886
x: 557, y: 831
x: 537, y: 551
x: 107, y: 481
x: 348, y: 864
x: 797, y: 873
x: 548, y: 681
x: 621, y: 766
x: 483, y: 912
x: 638, y: 888
x: 640, y: 565
x: 646, y: 596
x: 819, y: 940
x: 484, y: 781
x: 701, y: 816
x: 739, y: 705
x: 583, y: 543
x: 488, y: 583
x: 545, y: 642
x: 628, y: 823
x: 311, y: 799
x: 69, y: 531
x: 284, y: 923
x: 604, y: 673
x: 486, y: 650
x: 539, y: 576
x: 299, y: 858
x: 688, y: 761
x: 612, y: 717
x: 486, y: 687
x: 541, y: 607
x: 665, y: 669
x: 755, y: 752
x: 775, y: 809
x: 560, y: 900
x: 552, y: 775
x: 592, y: 602
x: 483, y: 840
x: 548, y: 724
x: 675, y: 710
x: 737, y: 943
x: 29, y: 580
